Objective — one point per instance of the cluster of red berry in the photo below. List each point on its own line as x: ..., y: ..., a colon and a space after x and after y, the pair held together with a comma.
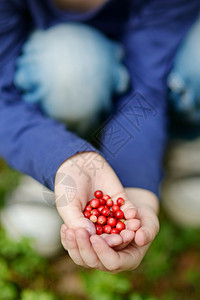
x: 107, y: 216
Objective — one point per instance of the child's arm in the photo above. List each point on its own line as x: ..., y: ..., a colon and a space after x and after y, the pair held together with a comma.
x: 29, y: 142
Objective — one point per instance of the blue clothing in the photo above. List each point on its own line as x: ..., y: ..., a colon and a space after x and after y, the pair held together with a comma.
x: 68, y: 60
x: 133, y: 138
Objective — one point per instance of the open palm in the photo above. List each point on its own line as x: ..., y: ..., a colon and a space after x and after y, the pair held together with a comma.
x: 85, y: 184
x: 95, y: 252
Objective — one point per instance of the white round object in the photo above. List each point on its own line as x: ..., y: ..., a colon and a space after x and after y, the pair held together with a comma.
x: 181, y: 200
x: 28, y: 214
x: 42, y: 223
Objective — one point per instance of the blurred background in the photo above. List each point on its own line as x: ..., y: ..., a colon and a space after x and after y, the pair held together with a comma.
x: 170, y: 270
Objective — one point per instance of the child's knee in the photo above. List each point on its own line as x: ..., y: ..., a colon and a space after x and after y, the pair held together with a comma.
x: 71, y: 70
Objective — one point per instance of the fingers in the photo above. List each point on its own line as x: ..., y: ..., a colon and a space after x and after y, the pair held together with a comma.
x: 106, y: 255
x: 112, y: 240
x: 79, y: 247
x: 86, y: 250
x: 130, y: 212
x: 133, y: 224
x: 128, y: 234
x: 148, y: 231
x: 127, y: 237
x: 117, y: 261
x: 68, y: 240
x: 94, y: 252
x: 129, y: 209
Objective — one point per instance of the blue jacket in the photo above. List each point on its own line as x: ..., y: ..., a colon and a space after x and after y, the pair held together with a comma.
x: 150, y: 32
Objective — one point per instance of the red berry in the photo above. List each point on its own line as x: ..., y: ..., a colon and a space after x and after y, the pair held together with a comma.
x: 95, y: 212
x: 120, y: 226
x: 87, y: 214
x: 95, y: 203
x: 106, y: 197
x: 120, y: 201
x: 100, y: 208
x: 112, y: 222
x: 112, y: 214
x: 107, y: 207
x: 93, y: 218
x: 114, y: 230
x: 115, y: 208
x: 102, y: 201
x: 119, y: 214
x: 98, y: 194
x: 101, y: 220
x: 99, y: 229
x: 109, y: 202
x: 105, y: 212
x: 107, y: 229
x: 88, y: 208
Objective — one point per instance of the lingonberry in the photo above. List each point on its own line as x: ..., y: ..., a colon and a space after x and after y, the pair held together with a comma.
x: 98, y: 194
x: 93, y: 218
x: 87, y: 214
x: 107, y: 229
x: 105, y: 212
x: 107, y: 216
x: 88, y: 208
x: 109, y: 203
x: 112, y: 222
x: 114, y: 230
x: 112, y: 214
x: 106, y: 206
x: 115, y: 208
x: 119, y: 214
x: 95, y: 212
x: 101, y: 220
x: 102, y: 201
x: 95, y: 203
x: 99, y: 229
x: 120, y: 226
x: 100, y: 208
x: 106, y: 197
x: 120, y: 201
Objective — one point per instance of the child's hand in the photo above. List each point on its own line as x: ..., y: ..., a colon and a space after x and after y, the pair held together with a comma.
x: 94, y: 252
x: 78, y: 172
x: 147, y: 206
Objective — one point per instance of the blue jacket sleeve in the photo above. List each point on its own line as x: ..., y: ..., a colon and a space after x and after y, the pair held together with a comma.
x: 29, y: 142
x: 134, y: 138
